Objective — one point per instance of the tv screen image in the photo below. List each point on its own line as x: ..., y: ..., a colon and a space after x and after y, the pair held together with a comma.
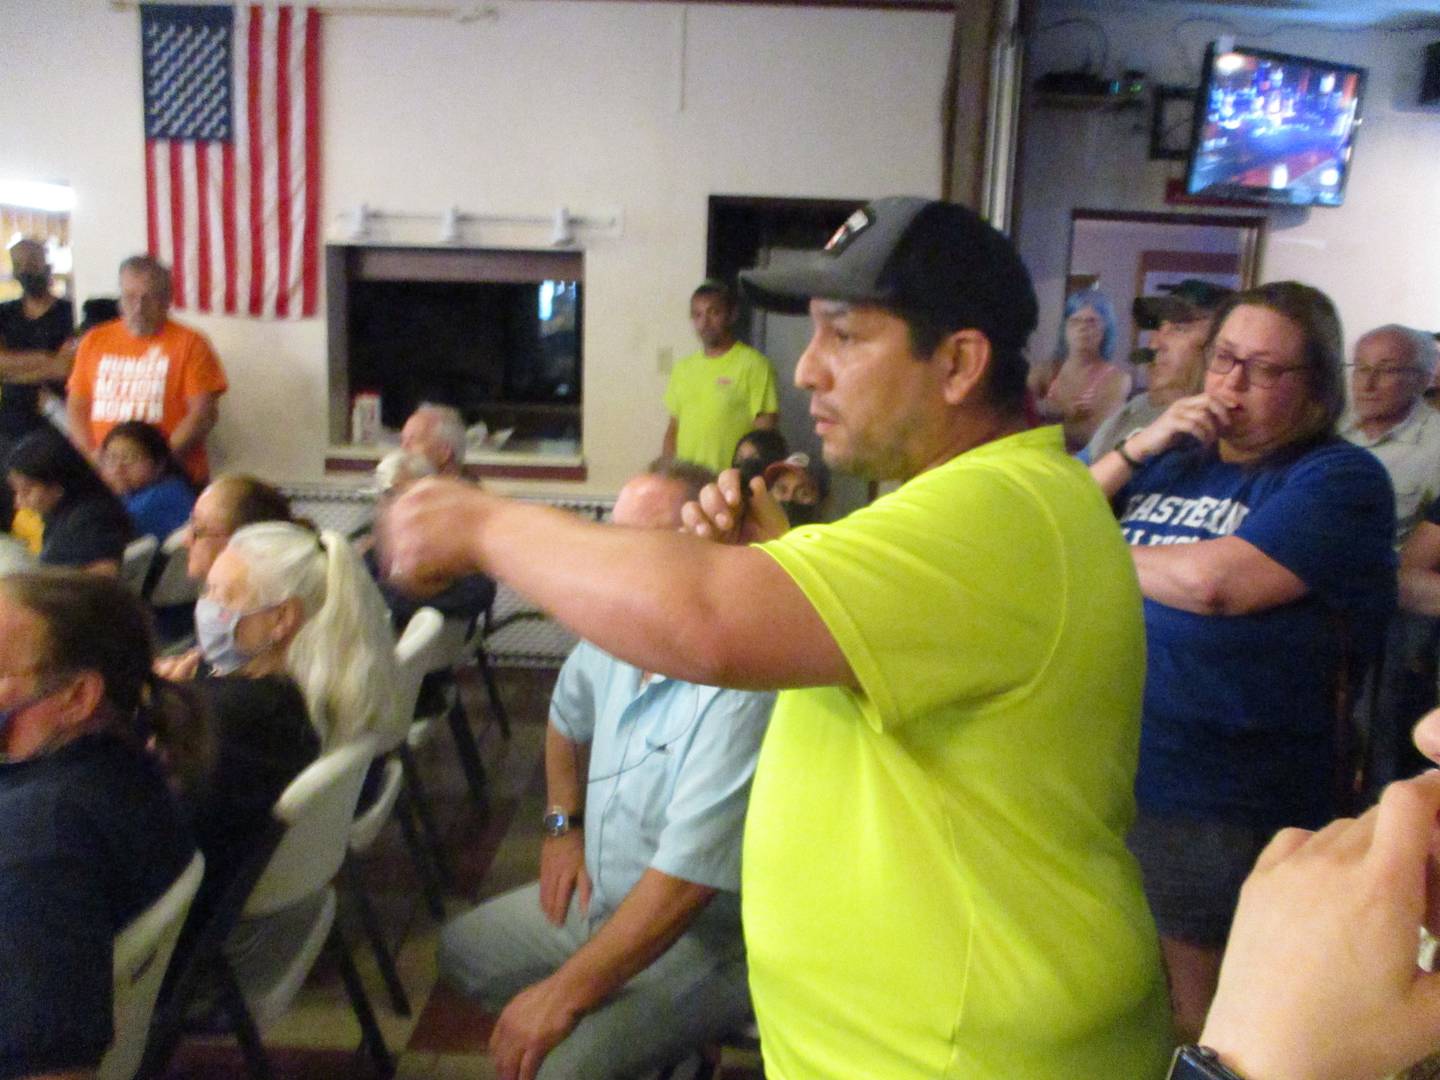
x: 1274, y: 128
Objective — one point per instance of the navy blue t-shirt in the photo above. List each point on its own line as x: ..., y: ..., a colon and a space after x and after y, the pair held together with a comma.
x: 89, y: 838
x: 1239, y: 710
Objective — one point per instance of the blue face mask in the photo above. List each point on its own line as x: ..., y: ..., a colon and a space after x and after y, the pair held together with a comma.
x: 7, y: 715
x: 215, y: 630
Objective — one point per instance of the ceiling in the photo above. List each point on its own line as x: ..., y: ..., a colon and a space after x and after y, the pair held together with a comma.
x: 1393, y: 14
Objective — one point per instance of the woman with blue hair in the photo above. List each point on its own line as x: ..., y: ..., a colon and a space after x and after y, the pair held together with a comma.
x: 1083, y: 386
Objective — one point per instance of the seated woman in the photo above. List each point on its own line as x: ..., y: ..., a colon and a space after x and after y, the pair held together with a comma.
x: 86, y: 528
x: 1263, y: 547
x: 140, y: 468
x: 1083, y: 385
x: 283, y: 601
x: 228, y: 503
x: 295, y: 658
x: 90, y: 834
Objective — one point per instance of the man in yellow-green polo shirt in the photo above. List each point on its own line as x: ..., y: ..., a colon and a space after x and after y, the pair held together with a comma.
x: 717, y: 394
x: 934, y: 877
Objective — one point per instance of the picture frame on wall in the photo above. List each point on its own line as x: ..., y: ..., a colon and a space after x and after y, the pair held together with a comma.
x: 1172, y: 119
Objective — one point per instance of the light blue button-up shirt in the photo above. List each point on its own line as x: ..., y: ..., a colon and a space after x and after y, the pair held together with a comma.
x: 670, y: 770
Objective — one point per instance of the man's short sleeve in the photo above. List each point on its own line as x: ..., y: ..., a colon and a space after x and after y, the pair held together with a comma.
x: 203, y: 373
x: 705, y: 817
x: 576, y: 696
x: 766, y: 399
x: 55, y: 953
x: 1334, y: 512
x: 81, y: 382
x: 943, y: 592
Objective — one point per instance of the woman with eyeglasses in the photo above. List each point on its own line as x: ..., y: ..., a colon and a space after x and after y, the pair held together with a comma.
x: 90, y: 833
x: 1263, y: 545
x: 229, y: 503
x: 137, y: 463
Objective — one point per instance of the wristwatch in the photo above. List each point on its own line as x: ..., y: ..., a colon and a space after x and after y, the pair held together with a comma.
x: 1199, y: 1063
x: 558, y: 821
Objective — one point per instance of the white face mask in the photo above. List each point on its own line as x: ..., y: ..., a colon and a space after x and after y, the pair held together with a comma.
x: 215, y: 630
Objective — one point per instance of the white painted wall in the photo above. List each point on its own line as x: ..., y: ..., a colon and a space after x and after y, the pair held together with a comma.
x: 591, y: 105
x: 1378, y: 256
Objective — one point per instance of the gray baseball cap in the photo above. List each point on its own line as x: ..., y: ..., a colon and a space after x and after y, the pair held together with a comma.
x: 1183, y: 301
x: 937, y: 260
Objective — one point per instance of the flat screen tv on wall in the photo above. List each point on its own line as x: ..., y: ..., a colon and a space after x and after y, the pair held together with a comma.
x: 1274, y: 128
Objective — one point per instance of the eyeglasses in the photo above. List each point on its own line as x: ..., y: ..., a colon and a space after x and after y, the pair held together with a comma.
x: 1260, y: 373
x: 199, y: 532
x: 1381, y: 374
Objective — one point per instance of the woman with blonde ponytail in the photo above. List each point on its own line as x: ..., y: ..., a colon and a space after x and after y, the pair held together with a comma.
x: 289, y: 599
x: 296, y: 658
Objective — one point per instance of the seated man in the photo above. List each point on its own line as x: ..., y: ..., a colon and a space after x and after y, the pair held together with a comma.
x: 627, y: 953
x: 436, y: 432
x: 1392, y: 367
x: 466, y: 598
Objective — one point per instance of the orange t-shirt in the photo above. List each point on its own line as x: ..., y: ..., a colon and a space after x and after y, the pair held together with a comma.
x: 151, y: 379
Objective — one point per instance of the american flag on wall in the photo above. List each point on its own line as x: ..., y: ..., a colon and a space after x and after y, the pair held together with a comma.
x: 232, y: 154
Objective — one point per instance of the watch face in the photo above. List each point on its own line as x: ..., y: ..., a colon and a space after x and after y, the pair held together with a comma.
x: 555, y: 823
x: 1199, y: 1063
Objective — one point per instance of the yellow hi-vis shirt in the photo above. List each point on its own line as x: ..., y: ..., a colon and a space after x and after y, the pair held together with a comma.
x: 715, y: 400
x: 935, y: 879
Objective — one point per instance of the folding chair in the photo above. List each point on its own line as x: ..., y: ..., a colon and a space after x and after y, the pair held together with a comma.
x: 142, y: 955
x: 136, y: 562
x: 313, y: 818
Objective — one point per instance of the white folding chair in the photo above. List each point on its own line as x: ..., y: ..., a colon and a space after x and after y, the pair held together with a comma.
x: 418, y: 651
x: 455, y: 649
x: 364, y: 831
x: 316, y: 810
x: 142, y: 954
x: 173, y: 585
x: 135, y: 564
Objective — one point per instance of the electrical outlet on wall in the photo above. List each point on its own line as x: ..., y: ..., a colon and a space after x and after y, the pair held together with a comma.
x: 664, y: 359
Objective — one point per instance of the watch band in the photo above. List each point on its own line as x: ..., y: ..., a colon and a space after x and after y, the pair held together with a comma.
x: 558, y: 821
x: 1199, y: 1063
x: 1125, y: 457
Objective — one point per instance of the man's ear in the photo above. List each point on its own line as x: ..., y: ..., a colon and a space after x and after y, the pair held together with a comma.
x: 965, y: 357
x: 81, y: 698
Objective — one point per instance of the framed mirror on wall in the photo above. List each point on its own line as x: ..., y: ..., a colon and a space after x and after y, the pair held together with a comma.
x: 1130, y: 254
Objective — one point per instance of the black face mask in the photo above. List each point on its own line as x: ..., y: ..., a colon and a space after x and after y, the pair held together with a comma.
x: 34, y: 284
x: 749, y: 469
x: 801, y: 513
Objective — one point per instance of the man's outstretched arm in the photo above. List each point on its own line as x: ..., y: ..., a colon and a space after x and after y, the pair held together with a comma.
x: 709, y: 613
x: 647, y: 922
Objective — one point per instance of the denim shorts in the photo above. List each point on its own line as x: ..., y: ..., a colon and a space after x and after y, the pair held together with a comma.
x: 1193, y: 871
